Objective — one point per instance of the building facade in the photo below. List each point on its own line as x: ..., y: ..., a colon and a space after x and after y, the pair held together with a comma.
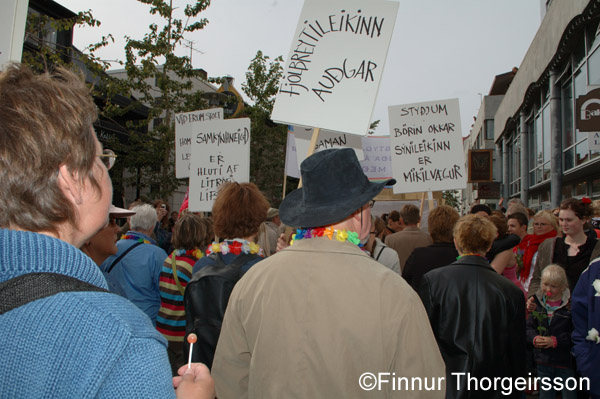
x: 544, y: 158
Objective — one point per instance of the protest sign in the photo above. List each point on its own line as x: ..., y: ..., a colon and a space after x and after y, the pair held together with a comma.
x: 377, y: 162
x: 292, y: 168
x: 335, y: 65
x: 12, y: 30
x: 186, y: 126
x: 427, y: 149
x: 220, y: 153
x: 326, y: 140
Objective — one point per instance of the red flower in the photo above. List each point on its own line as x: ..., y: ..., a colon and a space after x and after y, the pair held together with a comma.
x: 235, y: 247
x: 318, y: 232
x: 586, y: 200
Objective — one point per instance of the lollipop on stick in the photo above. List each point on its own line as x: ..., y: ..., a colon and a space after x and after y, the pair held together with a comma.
x: 192, y: 338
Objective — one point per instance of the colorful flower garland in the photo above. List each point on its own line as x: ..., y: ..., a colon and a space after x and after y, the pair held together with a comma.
x: 329, y: 232
x: 195, y: 253
x: 236, y: 247
x: 135, y: 238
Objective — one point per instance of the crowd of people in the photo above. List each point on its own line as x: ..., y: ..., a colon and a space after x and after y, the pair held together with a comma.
x: 319, y: 298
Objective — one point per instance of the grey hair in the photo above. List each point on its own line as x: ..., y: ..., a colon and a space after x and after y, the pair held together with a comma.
x: 145, y: 218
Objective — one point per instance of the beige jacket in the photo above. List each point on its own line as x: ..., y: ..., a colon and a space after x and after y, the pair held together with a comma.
x: 308, y: 321
x: 405, y: 241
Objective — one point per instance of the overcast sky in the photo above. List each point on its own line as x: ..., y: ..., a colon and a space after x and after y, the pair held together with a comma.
x: 440, y: 48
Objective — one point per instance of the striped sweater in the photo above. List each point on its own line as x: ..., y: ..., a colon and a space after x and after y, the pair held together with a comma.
x: 171, y: 315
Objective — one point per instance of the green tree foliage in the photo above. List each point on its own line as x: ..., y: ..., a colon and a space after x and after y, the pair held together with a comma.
x: 162, y: 81
x: 267, y: 152
x: 451, y: 198
x: 43, y: 55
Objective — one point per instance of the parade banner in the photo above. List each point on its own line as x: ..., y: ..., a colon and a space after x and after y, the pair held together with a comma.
x: 427, y: 149
x: 220, y: 153
x: 377, y: 162
x: 335, y: 65
x: 327, y: 140
x: 292, y: 167
x: 187, y: 124
x: 12, y: 30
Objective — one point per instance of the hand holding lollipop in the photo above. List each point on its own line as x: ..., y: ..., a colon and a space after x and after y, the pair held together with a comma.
x: 191, y: 339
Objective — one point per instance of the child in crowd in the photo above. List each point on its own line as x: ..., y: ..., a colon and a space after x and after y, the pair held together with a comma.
x: 549, y: 329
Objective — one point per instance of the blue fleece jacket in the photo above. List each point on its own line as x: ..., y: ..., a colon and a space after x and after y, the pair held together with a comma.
x: 77, y: 344
x: 585, y: 309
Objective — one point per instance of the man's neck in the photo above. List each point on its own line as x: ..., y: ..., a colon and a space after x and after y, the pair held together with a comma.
x: 145, y: 232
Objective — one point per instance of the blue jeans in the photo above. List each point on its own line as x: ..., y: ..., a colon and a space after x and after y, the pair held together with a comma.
x: 552, y: 373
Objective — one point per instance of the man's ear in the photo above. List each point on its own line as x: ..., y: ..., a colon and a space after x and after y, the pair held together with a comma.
x: 70, y: 185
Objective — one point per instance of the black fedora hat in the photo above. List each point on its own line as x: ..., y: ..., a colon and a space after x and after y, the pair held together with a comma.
x: 333, y: 186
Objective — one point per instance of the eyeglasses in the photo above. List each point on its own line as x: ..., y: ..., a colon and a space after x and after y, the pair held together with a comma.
x: 371, y: 203
x: 108, y: 158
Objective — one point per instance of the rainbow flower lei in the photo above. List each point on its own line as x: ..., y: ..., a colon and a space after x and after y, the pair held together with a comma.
x: 196, y: 253
x: 236, y: 247
x: 329, y: 232
x: 138, y: 239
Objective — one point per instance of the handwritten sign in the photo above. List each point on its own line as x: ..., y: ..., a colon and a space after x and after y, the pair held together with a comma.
x: 12, y: 30
x: 377, y: 162
x: 220, y: 153
x: 292, y: 167
x: 186, y: 125
x: 427, y: 150
x: 335, y: 65
x: 327, y: 140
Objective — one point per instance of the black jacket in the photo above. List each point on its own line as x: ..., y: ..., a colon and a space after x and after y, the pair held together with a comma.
x: 425, y: 259
x: 560, y: 327
x: 478, y: 318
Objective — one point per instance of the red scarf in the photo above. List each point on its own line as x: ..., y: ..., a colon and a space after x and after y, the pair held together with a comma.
x: 528, y: 247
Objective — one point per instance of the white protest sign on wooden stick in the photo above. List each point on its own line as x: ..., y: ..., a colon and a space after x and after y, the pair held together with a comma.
x: 427, y: 149
x: 335, y: 64
x: 325, y: 140
x: 186, y: 124
x: 220, y: 153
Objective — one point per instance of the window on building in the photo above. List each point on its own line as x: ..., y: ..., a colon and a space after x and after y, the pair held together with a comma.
x: 581, y: 189
x: 514, y: 165
x: 534, y: 200
x: 581, y: 153
x: 541, y: 148
x: 596, y: 187
x: 579, y: 52
x: 567, y: 114
x: 575, y: 145
x: 489, y: 129
x: 592, y: 35
x: 580, y: 80
x: 593, y: 67
x: 567, y: 191
x: 547, y: 142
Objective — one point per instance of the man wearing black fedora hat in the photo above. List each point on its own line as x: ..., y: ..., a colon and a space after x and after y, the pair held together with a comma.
x: 322, y: 319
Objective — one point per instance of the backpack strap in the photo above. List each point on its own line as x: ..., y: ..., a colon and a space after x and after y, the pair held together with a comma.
x: 30, y: 287
x: 380, y: 251
x: 122, y: 256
